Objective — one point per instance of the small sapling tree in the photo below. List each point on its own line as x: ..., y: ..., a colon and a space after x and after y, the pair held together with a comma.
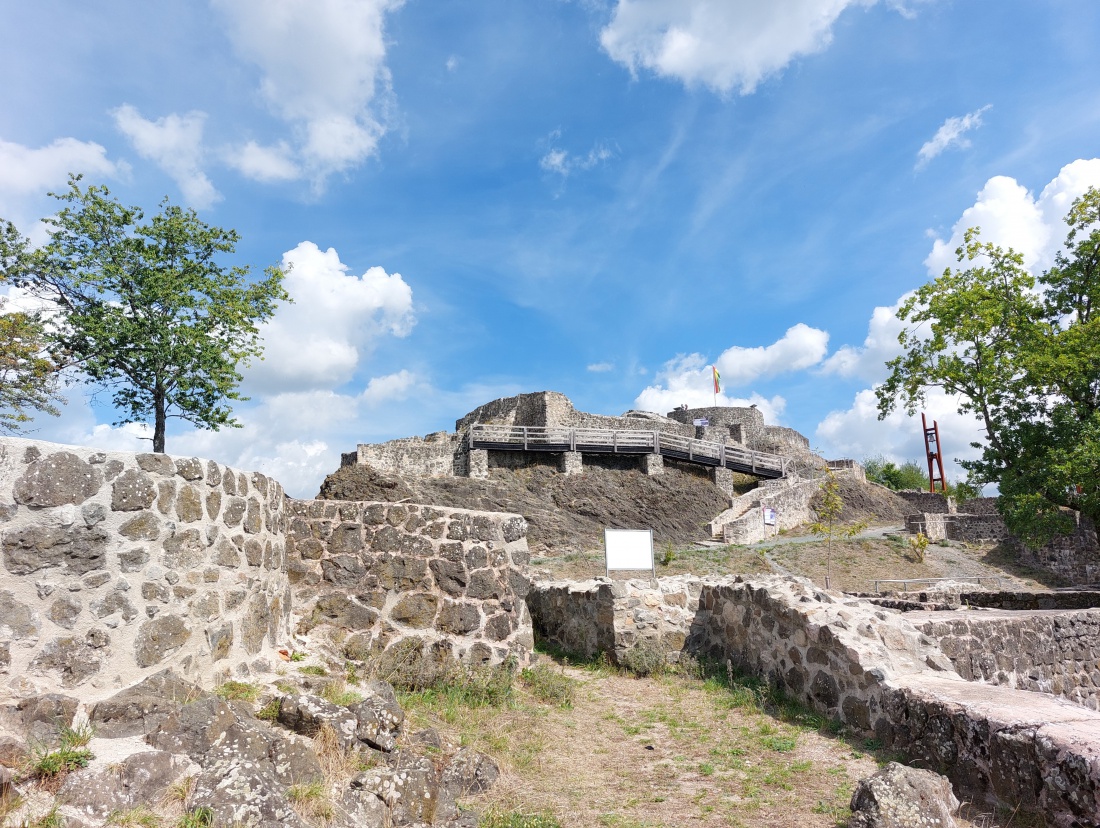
x: 829, y: 508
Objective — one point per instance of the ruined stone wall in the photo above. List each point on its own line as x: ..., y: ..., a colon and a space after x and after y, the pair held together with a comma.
x: 1075, y: 557
x: 611, y: 616
x: 744, y: 425
x: 932, y: 525
x: 537, y: 409
x: 1049, y: 651
x: 430, y: 456
x: 414, y: 586
x: 976, y: 528
x: 743, y: 523
x: 113, y: 563
x: 864, y: 665
x: 931, y: 502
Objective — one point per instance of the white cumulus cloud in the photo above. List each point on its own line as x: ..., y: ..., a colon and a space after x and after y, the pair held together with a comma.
x: 952, y: 133
x: 323, y: 71
x: 173, y: 143
x: 726, y: 45
x: 260, y: 163
x: 858, y: 433
x: 28, y: 173
x: 687, y: 379
x: 800, y: 347
x: 318, y: 341
x: 868, y: 362
x: 1009, y: 216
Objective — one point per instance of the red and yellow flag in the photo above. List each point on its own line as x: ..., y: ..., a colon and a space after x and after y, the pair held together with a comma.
x: 717, y: 380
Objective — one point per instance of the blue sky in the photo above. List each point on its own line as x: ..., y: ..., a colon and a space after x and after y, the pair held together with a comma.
x: 599, y: 197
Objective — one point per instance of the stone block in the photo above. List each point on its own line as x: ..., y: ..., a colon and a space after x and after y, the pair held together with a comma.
x: 158, y: 638
x: 58, y: 479
x: 132, y: 491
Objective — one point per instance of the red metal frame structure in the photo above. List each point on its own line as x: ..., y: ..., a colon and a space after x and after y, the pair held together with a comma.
x: 935, y: 458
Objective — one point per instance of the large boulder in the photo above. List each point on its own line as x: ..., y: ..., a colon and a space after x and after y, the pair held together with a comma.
x: 902, y: 797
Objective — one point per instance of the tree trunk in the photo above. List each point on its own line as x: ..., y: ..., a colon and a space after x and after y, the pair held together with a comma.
x: 160, y: 413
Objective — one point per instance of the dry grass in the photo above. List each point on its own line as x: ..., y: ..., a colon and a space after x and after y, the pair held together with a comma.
x: 660, y: 752
x: 855, y: 563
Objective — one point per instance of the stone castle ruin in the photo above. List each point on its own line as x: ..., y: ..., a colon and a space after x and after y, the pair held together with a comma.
x: 116, y: 567
x: 451, y: 454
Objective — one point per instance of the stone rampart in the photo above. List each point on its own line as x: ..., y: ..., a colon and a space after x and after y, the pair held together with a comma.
x: 1047, y: 651
x: 115, y: 563
x: 416, y: 587
x: 430, y: 456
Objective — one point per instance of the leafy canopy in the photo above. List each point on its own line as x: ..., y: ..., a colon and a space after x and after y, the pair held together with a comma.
x: 144, y: 307
x: 1023, y: 357
x: 28, y: 371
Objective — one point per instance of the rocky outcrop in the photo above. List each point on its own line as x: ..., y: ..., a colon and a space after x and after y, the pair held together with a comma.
x: 166, y: 740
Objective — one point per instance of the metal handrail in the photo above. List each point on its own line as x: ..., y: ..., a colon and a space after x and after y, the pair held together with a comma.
x: 617, y: 440
x: 962, y: 578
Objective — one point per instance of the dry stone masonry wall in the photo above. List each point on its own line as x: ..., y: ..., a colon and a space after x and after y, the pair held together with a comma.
x: 417, y: 587
x: 857, y: 662
x: 1048, y: 651
x: 114, y: 563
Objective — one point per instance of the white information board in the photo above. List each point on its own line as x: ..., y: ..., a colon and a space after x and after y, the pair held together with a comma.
x: 629, y: 549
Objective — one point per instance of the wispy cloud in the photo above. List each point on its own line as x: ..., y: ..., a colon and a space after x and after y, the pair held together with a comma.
x: 173, y: 143
x: 951, y: 134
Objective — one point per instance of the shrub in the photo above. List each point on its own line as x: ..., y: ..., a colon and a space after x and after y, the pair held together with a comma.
x: 644, y: 659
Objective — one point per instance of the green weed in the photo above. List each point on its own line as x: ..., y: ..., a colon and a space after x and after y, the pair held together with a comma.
x: 549, y: 685
x: 238, y: 691
x: 517, y: 819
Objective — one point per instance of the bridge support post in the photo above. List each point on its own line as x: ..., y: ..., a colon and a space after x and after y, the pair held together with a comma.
x: 652, y: 465
x: 723, y: 479
x: 571, y: 463
x: 477, y: 464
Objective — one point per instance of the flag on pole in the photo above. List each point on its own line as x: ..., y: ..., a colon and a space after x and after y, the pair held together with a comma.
x: 717, y: 380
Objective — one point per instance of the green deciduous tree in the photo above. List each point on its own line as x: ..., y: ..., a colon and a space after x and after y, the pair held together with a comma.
x: 1023, y: 356
x: 144, y: 307
x: 909, y: 475
x: 28, y: 372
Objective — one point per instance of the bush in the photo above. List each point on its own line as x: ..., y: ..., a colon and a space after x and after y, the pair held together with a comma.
x: 644, y: 659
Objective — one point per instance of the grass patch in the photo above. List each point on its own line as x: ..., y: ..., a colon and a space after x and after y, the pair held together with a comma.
x: 232, y: 690
x: 337, y: 692
x: 313, y: 670
x: 517, y: 819
x: 198, y: 818
x: 311, y: 801
x: 270, y: 711
x: 139, y: 817
x: 550, y: 685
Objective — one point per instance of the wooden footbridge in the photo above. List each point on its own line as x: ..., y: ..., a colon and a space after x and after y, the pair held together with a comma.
x: 614, y: 441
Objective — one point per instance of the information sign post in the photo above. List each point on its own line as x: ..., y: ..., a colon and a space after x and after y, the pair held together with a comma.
x: 628, y: 549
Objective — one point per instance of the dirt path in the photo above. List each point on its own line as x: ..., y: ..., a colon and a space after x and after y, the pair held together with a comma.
x: 673, y: 752
x: 669, y: 752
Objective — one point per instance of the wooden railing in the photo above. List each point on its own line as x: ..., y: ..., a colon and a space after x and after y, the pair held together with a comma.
x: 609, y: 441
